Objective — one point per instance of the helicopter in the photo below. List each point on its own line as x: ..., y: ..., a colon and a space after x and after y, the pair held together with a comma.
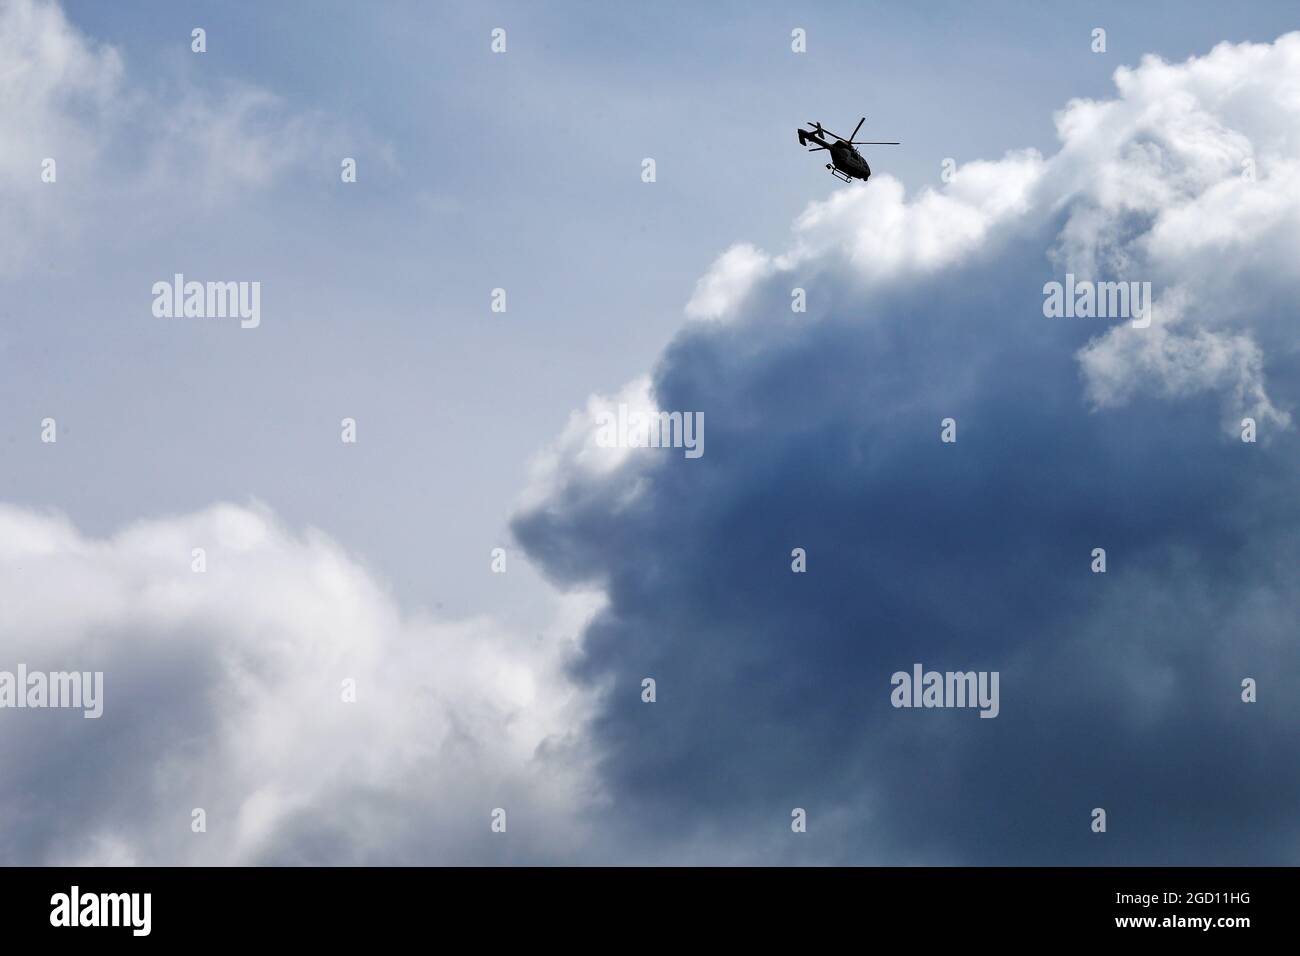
x: 846, y: 162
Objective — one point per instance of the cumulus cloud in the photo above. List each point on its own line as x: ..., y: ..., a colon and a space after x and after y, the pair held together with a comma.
x: 1120, y: 689
x: 1188, y: 178
x: 907, y: 240
x: 577, y: 456
x: 223, y: 690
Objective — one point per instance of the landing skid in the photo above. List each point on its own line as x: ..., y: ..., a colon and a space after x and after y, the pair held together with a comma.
x: 843, y: 177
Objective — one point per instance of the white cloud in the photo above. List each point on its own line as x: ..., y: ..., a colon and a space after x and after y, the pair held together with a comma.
x: 57, y: 90
x: 720, y: 291
x: 120, y: 147
x: 222, y: 690
x: 243, y: 137
x: 59, y: 95
x: 873, y: 234
x: 576, y: 452
x: 1158, y: 184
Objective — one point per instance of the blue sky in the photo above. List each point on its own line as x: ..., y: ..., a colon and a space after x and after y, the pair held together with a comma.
x: 522, y: 171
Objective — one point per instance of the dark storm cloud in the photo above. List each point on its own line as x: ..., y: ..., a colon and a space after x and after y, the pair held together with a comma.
x: 1119, y: 690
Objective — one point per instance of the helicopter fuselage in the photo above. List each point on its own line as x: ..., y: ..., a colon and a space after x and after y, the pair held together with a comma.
x: 850, y: 162
x: 843, y: 156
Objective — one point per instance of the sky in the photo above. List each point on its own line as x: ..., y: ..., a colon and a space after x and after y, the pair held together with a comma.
x: 372, y: 561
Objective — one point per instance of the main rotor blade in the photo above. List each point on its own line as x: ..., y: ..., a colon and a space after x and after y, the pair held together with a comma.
x: 864, y: 142
x: 858, y: 127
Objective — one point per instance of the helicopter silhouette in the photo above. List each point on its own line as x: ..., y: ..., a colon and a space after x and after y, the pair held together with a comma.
x: 846, y: 162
